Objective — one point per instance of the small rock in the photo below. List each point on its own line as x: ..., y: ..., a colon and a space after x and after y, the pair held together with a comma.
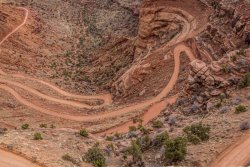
x: 215, y: 93
x: 245, y: 125
x: 224, y: 109
x: 171, y: 120
x: 248, y: 96
x: 200, y: 99
x: 236, y: 101
x: 210, y: 105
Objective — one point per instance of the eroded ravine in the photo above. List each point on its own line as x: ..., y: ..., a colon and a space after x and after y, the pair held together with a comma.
x: 156, y: 103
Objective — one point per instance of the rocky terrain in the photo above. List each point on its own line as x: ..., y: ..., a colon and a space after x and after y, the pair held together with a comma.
x: 124, y: 83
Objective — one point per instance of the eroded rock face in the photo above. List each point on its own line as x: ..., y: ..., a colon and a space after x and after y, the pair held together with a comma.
x: 200, y: 74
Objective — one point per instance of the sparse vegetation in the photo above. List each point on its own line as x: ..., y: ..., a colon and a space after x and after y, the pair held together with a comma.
x: 144, y: 142
x: 197, y: 133
x: 135, y: 151
x: 245, y: 81
x: 175, y: 150
x: 157, y: 124
x: 25, y: 126
x: 161, y: 139
x: 132, y: 128
x: 240, y: 109
x: 43, y: 125
x: 95, y: 156
x: 144, y: 130
x: 109, y: 138
x: 84, y: 133
x: 226, y: 69
x: 38, y: 136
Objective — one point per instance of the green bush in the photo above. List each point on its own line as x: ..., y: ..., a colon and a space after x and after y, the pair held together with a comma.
x: 25, y: 126
x: 160, y: 139
x: 43, y: 125
x: 240, y: 109
x: 157, y: 124
x: 95, y: 156
x: 197, y: 132
x: 132, y: 128
x: 233, y: 58
x: 109, y: 138
x: 175, y: 150
x: 84, y: 133
x: 135, y: 151
x: 37, y: 136
x: 144, y: 130
x: 144, y: 142
x: 245, y: 81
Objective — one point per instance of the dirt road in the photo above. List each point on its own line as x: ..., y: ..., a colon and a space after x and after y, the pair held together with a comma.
x: 8, y: 159
x: 236, y: 155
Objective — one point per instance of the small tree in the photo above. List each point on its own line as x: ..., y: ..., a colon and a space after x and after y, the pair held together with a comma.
x: 197, y: 132
x: 175, y: 150
x: 132, y: 128
x: 240, y: 109
x: 157, y: 124
x: 135, y: 151
x: 95, y: 156
x: 37, y: 136
x: 84, y: 133
x: 245, y: 81
x: 25, y: 126
x: 160, y: 139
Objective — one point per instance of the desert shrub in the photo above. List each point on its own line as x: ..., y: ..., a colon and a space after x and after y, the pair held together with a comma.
x: 135, y: 151
x: 132, y: 128
x: 245, y: 81
x: 226, y: 69
x: 137, y: 120
x: 240, y: 109
x: 84, y: 133
x: 197, y: 133
x: 3, y: 131
x: 25, y: 126
x: 233, y: 58
x: 241, y: 52
x: 160, y: 139
x: 95, y: 156
x: 37, y: 136
x: 144, y: 130
x: 52, y: 126
x: 157, y: 124
x: 43, y: 125
x: 175, y: 150
x: 109, y: 138
x: 245, y: 125
x: 110, y: 146
x: 144, y: 142
x: 118, y: 135
x: 67, y: 157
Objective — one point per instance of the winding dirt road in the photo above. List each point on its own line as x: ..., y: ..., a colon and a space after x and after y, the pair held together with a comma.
x: 236, y: 155
x: 156, y: 103
x: 110, y: 114
x: 8, y: 159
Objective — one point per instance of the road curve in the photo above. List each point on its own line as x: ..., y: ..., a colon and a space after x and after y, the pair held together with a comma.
x: 236, y: 155
x: 8, y: 159
x: 110, y: 114
x: 107, y: 98
x: 18, y: 27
